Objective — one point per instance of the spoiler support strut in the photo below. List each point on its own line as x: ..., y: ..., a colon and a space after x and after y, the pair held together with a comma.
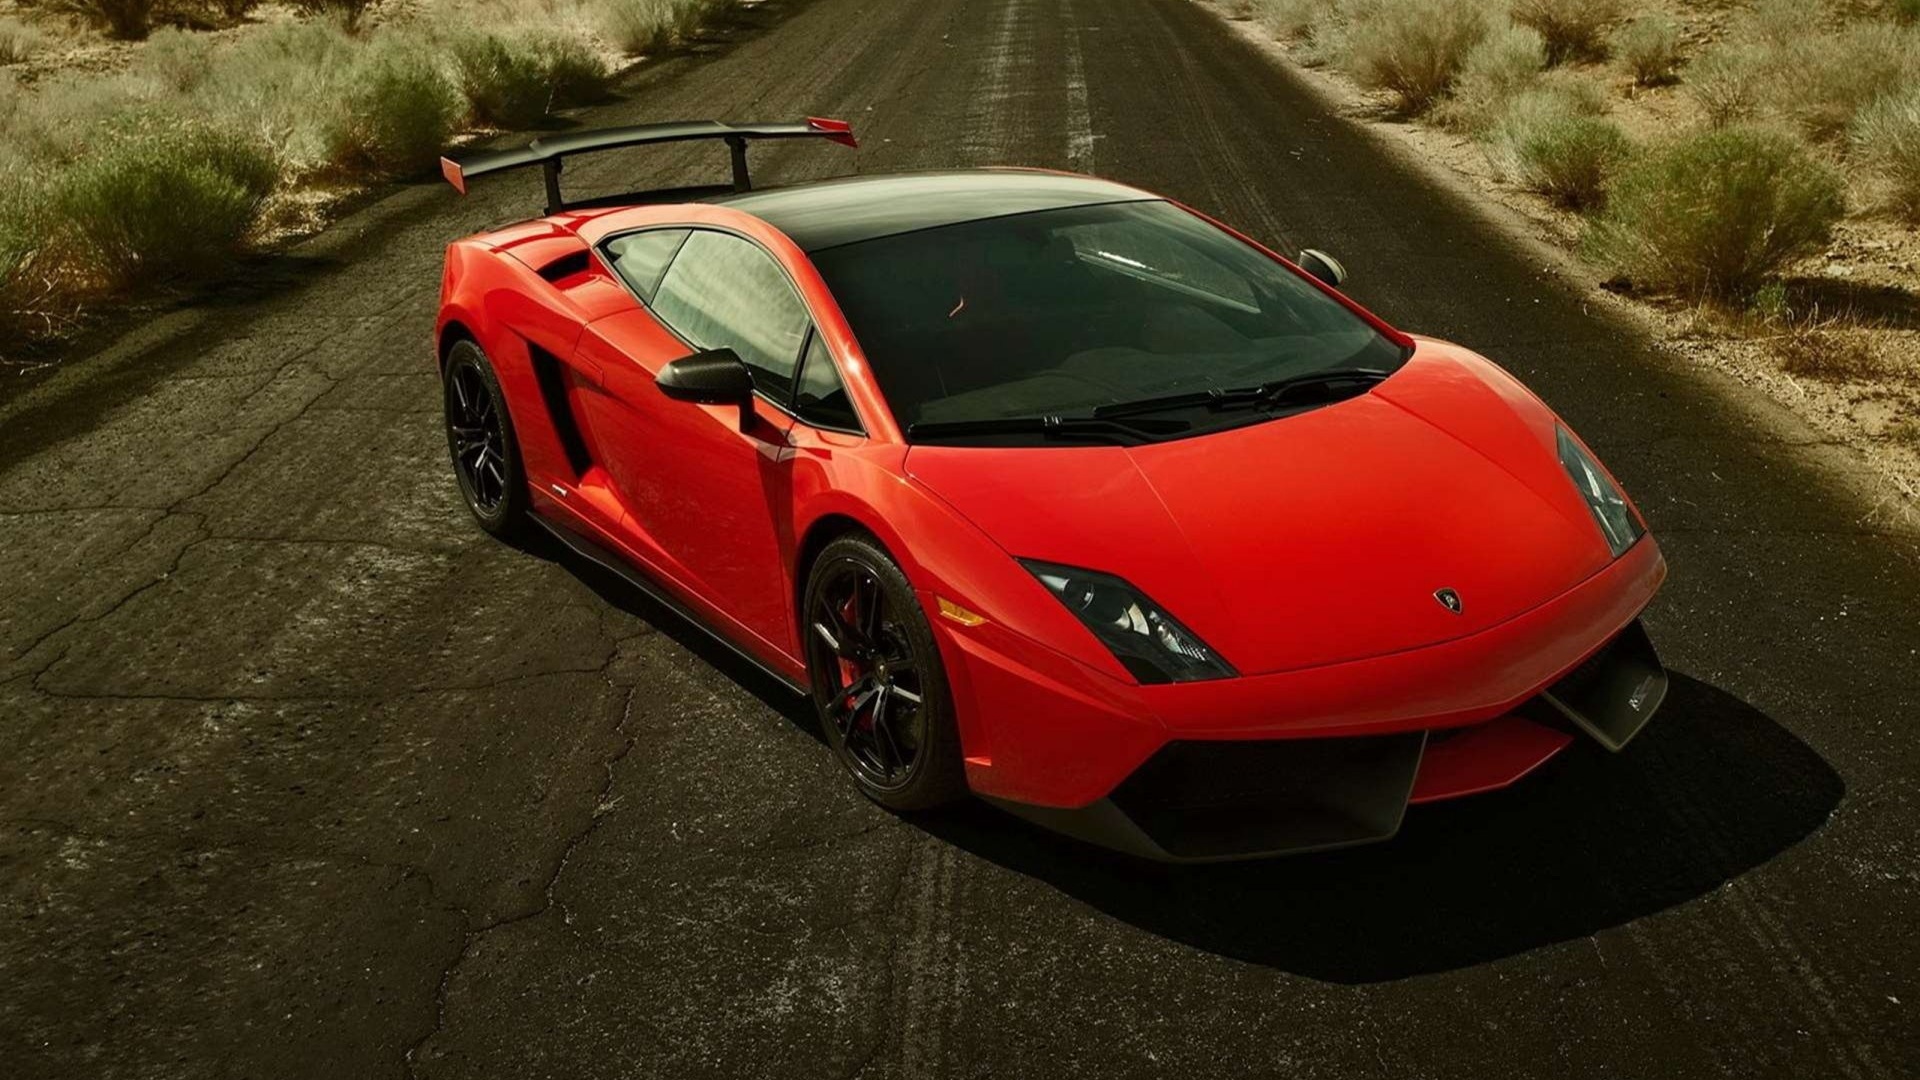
x: 551, y: 153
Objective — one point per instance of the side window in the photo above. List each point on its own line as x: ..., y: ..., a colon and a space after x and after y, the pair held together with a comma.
x: 641, y: 257
x: 822, y: 399
x: 724, y: 292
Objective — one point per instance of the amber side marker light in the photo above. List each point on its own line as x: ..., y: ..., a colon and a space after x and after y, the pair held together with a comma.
x: 951, y: 610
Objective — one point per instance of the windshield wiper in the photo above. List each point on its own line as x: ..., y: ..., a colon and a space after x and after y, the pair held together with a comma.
x: 1050, y: 427
x: 1276, y: 392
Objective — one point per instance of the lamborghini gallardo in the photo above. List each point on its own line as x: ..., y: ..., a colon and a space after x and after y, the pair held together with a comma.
x: 1053, y: 491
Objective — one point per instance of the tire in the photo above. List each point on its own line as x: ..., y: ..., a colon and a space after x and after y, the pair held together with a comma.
x: 482, y: 444
x: 903, y: 754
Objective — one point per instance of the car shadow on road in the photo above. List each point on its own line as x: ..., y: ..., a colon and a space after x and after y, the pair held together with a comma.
x: 1712, y: 789
x: 620, y: 593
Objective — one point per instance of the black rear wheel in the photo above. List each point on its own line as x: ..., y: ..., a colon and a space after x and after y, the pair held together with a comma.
x: 877, y: 680
x: 480, y: 438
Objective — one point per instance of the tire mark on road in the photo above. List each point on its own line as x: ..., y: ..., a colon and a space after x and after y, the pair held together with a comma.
x: 1080, y: 156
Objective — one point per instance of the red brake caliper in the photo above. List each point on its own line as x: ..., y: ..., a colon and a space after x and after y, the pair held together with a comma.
x: 850, y: 672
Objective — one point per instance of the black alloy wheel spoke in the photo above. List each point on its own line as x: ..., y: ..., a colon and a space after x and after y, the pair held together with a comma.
x: 479, y: 445
x: 868, y: 673
x: 835, y: 636
x: 883, y: 742
x: 870, y: 613
x: 851, y: 702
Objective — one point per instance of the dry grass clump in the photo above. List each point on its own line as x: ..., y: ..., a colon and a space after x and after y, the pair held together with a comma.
x: 1552, y: 140
x: 168, y: 198
x: 1412, y: 48
x: 1726, y: 81
x: 1830, y: 350
x: 1715, y: 213
x: 1649, y: 46
x: 1824, y: 80
x: 1296, y: 20
x: 515, y: 81
x: 1886, y: 138
x: 1504, y: 63
x: 399, y: 114
x: 1572, y: 29
x: 22, y: 232
x: 638, y: 27
x: 178, y: 60
x: 1818, y: 80
x: 19, y: 41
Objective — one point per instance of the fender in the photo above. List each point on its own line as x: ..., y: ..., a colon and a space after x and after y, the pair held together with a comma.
x: 954, y: 560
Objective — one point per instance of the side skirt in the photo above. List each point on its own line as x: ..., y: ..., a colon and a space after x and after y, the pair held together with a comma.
x: 595, y: 552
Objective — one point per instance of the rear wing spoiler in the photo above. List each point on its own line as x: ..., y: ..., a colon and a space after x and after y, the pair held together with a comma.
x: 549, y: 153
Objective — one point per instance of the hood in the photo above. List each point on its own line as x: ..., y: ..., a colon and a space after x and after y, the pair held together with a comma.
x: 1315, y: 538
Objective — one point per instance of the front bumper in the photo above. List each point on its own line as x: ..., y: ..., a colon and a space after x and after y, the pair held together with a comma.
x: 1221, y: 799
x: 1310, y: 759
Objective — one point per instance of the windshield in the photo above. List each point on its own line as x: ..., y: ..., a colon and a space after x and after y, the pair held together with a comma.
x: 1061, y: 312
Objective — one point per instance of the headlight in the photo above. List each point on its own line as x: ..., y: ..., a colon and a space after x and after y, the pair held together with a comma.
x: 1149, y: 642
x: 1616, y: 519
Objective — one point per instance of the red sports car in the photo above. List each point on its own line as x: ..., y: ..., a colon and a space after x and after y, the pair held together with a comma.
x: 1052, y: 490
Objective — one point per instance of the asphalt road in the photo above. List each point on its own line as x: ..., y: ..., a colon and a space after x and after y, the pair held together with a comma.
x: 300, y: 774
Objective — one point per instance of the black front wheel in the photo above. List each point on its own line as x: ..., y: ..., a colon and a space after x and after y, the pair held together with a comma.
x: 877, y: 680
x: 486, y: 455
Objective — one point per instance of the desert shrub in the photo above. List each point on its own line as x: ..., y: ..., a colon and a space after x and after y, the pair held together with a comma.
x: 1572, y: 29
x: 128, y: 20
x: 1717, y: 212
x: 1650, y: 48
x: 513, y: 82
x: 19, y: 41
x: 289, y: 84
x: 346, y: 12
x: 22, y: 231
x: 55, y: 122
x: 1726, y: 80
x: 1829, y: 350
x: 1295, y: 19
x: 1886, y: 136
x: 159, y: 199
x: 687, y: 17
x: 1412, y: 48
x: 398, y: 112
x: 576, y: 73
x: 646, y: 26
x: 1906, y: 12
x: 1822, y: 81
x: 1553, y: 142
x: 179, y: 60
x: 503, y: 83
x: 1507, y: 61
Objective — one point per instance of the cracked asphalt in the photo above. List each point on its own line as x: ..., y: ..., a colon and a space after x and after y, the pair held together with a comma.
x: 301, y: 775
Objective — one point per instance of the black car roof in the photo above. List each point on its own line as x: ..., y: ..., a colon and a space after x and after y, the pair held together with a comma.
x: 829, y: 213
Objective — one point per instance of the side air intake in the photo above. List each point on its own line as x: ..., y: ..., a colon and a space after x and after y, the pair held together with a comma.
x: 550, y: 373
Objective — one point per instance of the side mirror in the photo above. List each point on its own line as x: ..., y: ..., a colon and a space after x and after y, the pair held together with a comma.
x: 713, y: 377
x: 1323, y: 266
